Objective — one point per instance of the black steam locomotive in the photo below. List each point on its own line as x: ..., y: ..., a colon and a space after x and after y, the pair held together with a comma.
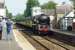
x: 41, y: 24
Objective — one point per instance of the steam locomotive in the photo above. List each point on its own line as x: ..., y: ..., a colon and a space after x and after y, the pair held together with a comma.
x: 40, y: 24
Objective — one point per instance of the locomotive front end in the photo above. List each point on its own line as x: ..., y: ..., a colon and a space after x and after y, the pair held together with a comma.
x: 44, y: 24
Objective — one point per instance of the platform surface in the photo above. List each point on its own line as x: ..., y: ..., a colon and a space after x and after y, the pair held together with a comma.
x: 17, y: 43
x: 69, y: 33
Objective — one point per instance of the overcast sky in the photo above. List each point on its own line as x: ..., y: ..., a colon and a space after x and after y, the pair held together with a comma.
x: 18, y: 6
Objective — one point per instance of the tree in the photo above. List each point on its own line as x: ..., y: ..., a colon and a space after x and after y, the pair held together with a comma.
x: 30, y: 4
x: 49, y: 5
x: 73, y: 2
x: 19, y: 17
x: 6, y: 11
x: 9, y: 15
x: 73, y: 6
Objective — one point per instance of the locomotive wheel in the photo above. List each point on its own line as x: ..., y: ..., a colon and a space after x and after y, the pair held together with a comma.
x: 39, y: 33
x: 69, y: 28
x: 34, y: 32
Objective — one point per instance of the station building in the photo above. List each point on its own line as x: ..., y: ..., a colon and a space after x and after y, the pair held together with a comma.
x: 61, y: 10
x: 68, y: 22
x: 2, y: 8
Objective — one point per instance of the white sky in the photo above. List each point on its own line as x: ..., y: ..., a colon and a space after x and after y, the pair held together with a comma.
x: 18, y: 6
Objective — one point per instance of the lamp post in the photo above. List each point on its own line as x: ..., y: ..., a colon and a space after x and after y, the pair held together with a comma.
x: 55, y: 14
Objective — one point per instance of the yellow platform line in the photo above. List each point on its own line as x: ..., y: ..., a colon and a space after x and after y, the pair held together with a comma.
x: 22, y: 41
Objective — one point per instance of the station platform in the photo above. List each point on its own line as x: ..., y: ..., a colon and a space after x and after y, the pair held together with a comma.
x: 17, y: 43
x: 68, y: 33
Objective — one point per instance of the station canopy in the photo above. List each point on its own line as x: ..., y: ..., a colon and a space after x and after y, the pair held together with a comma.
x: 71, y: 15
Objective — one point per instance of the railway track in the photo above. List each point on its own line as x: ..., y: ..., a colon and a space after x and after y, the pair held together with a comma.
x: 66, y: 46
x: 45, y: 42
x: 33, y: 42
x: 41, y: 43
